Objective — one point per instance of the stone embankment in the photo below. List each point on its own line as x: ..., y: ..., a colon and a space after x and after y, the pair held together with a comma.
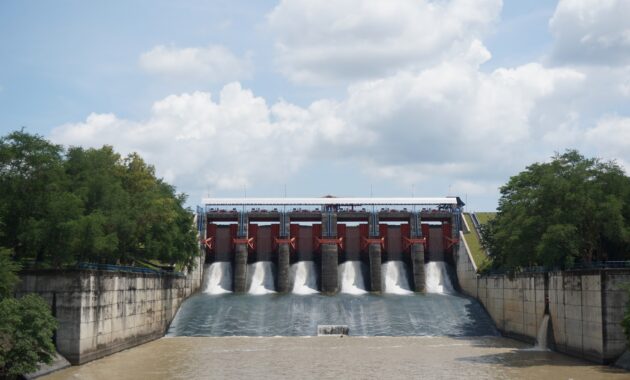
x: 585, y: 307
x: 102, y: 312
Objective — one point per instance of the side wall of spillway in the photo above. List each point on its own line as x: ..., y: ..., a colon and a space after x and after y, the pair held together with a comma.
x: 103, y: 312
x: 585, y: 307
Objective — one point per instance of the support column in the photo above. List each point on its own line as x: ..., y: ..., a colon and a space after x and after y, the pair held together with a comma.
x: 374, y: 252
x: 282, y: 277
x: 417, y: 261
x: 240, y: 255
x: 282, y: 281
x: 329, y: 255
x: 376, y: 283
x: 417, y: 253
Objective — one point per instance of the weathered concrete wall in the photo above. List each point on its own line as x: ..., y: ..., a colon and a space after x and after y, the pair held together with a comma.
x: 585, y: 307
x: 101, y: 312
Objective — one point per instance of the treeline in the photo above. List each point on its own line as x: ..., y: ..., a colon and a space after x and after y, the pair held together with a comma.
x: 572, y: 210
x: 62, y: 206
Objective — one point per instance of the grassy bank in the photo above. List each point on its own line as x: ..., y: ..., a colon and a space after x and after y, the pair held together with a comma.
x: 474, y: 244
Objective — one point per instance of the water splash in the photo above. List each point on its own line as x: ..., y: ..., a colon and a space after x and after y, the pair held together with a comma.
x: 437, y: 279
x: 260, y: 278
x: 541, y: 338
x: 219, y: 278
x: 395, y: 278
x: 351, y: 277
x: 304, y: 277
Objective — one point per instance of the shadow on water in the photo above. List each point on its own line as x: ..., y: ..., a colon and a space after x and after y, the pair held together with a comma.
x: 365, y: 315
x: 523, y: 358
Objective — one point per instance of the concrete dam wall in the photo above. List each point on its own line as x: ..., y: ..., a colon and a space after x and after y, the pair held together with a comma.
x: 102, y: 312
x: 585, y: 307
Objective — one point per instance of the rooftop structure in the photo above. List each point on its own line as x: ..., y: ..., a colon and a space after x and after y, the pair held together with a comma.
x: 342, y: 201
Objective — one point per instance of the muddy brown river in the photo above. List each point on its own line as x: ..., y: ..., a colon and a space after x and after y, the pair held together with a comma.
x: 337, y: 358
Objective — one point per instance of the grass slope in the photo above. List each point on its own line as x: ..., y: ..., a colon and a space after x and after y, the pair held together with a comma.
x: 476, y: 250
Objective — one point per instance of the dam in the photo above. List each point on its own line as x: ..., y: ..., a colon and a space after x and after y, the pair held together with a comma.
x: 327, y: 245
x: 281, y: 267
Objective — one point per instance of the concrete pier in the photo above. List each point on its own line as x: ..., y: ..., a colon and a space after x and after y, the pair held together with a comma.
x: 417, y: 262
x: 240, y: 255
x: 330, y: 255
x: 282, y: 277
x: 375, y: 255
x: 375, y: 268
x: 240, y: 268
x: 330, y: 271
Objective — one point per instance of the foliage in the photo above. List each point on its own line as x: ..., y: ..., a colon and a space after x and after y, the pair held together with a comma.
x: 26, y: 325
x: 93, y: 205
x: 625, y: 322
x: 26, y: 329
x: 8, y: 276
x: 570, y: 210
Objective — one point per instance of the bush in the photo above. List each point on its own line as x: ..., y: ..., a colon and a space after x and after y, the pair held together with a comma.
x: 26, y: 330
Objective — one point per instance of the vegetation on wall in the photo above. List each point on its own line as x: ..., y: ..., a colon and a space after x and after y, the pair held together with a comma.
x: 26, y: 326
x: 569, y: 211
x: 59, y: 207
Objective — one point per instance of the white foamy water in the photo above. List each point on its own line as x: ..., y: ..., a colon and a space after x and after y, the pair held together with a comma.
x: 219, y: 278
x: 304, y: 277
x: 541, y: 338
x: 437, y: 279
x: 351, y: 277
x: 395, y: 280
x: 260, y: 278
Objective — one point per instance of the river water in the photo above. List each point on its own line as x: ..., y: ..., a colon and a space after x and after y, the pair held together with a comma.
x: 398, y: 334
x: 336, y: 358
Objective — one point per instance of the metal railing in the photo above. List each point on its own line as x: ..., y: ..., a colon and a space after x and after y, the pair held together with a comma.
x: 124, y: 268
x: 575, y: 267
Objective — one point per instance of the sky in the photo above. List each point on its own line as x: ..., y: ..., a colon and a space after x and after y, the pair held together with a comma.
x: 349, y: 98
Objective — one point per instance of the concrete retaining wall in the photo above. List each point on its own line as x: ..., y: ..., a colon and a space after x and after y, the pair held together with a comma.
x: 585, y: 307
x: 102, y: 312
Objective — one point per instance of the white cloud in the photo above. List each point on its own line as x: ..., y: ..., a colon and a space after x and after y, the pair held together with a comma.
x: 591, y: 31
x: 213, y: 63
x: 611, y: 138
x: 197, y: 142
x: 367, y: 39
x: 450, y: 121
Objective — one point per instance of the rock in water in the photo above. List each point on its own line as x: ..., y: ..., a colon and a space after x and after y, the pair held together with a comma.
x: 323, y: 330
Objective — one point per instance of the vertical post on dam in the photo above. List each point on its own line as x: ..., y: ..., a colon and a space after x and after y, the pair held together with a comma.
x: 417, y: 252
x: 374, y: 252
x: 282, y: 277
x: 329, y: 254
x: 240, y: 254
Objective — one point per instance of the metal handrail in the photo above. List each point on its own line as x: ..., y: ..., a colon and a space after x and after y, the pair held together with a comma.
x: 575, y: 267
x: 124, y: 268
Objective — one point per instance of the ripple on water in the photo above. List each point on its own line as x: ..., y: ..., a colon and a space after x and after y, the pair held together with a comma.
x: 368, y: 315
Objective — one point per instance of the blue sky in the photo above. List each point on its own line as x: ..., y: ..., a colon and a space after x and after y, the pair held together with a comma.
x: 445, y: 97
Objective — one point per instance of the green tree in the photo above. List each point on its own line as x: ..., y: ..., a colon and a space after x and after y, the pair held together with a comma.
x: 33, y: 192
x: 88, y: 205
x: 556, y: 214
x: 26, y: 325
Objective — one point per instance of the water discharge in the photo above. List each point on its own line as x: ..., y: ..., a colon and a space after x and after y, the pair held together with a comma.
x: 218, y: 278
x: 395, y: 281
x: 299, y: 315
x: 541, y: 338
x: 437, y: 279
x: 351, y: 278
x: 304, y: 278
x: 260, y: 277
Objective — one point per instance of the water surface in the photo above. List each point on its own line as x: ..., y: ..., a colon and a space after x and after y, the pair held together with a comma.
x: 299, y: 315
x: 336, y: 358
